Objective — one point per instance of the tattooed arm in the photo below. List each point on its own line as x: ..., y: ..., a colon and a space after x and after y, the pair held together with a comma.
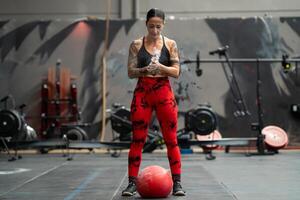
x: 133, y: 70
x: 174, y: 59
x: 174, y: 69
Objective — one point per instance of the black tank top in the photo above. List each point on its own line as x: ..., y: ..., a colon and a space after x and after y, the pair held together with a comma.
x: 144, y: 57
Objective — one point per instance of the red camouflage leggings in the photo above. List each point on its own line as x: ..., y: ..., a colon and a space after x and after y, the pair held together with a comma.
x: 153, y: 94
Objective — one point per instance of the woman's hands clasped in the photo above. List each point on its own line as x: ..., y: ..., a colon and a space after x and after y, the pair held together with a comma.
x: 153, y: 68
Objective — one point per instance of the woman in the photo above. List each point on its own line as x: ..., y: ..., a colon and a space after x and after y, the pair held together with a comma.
x: 152, y: 59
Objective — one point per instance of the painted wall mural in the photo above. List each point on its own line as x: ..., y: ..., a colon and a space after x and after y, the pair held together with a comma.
x: 29, y: 48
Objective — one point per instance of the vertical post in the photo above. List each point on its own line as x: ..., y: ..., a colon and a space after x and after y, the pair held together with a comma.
x: 296, y: 70
x: 260, y: 137
x: 103, y: 61
x: 136, y: 9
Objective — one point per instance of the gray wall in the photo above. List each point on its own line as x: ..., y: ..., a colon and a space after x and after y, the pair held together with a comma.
x: 126, y: 9
x: 28, y: 47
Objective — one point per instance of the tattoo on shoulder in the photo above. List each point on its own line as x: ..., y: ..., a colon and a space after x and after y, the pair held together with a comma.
x: 174, y: 45
x: 132, y: 57
x: 137, y: 43
x: 174, y: 56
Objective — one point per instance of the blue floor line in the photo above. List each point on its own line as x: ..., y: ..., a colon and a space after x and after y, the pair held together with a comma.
x: 82, y: 186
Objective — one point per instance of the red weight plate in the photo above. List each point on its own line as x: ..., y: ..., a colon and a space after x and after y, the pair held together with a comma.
x: 275, y: 137
x: 216, y: 135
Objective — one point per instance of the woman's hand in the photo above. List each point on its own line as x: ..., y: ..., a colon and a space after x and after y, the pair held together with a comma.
x: 154, y: 68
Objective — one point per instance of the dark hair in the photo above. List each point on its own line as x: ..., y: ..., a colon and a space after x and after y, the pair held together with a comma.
x: 154, y: 12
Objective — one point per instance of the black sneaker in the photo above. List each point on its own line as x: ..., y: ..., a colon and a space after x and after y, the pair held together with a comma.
x: 130, y: 190
x: 177, y: 189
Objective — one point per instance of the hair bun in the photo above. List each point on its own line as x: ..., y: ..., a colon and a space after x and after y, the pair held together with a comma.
x: 155, y: 12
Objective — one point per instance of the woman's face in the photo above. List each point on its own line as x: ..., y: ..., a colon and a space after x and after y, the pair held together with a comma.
x: 154, y: 27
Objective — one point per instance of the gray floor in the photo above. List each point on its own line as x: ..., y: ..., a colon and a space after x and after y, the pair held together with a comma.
x: 99, y: 176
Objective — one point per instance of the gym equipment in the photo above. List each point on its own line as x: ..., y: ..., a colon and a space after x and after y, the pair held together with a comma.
x: 13, y: 126
x: 59, y: 105
x: 74, y: 132
x: 154, y: 182
x: 10, y: 123
x: 275, y: 138
x: 60, y: 114
x: 121, y: 124
x: 241, y: 107
x: 295, y: 110
x: 201, y: 120
x: 215, y: 135
x: 207, y: 149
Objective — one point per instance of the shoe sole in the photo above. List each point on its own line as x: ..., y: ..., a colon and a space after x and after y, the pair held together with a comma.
x: 179, y: 193
x: 128, y: 194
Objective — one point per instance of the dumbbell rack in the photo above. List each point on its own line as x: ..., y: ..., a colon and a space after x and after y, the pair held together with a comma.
x: 58, y: 101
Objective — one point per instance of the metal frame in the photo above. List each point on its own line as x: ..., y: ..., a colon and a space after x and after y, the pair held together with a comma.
x: 222, y: 52
x: 242, y: 60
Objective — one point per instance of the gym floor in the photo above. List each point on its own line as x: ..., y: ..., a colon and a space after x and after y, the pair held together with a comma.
x: 100, y: 176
